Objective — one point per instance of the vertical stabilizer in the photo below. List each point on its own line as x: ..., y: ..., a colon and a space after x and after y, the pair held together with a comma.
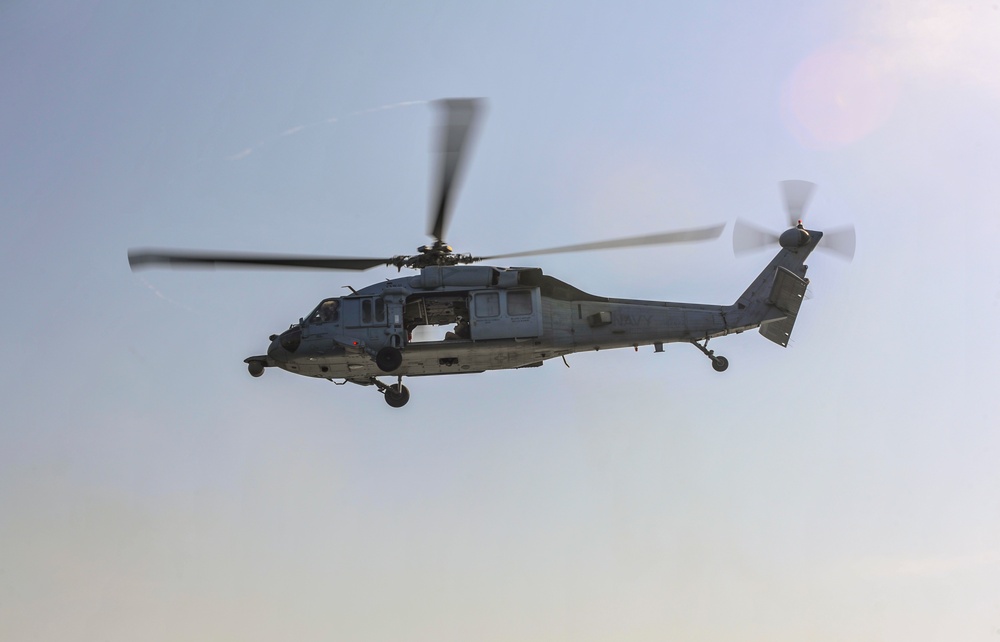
x: 773, y: 299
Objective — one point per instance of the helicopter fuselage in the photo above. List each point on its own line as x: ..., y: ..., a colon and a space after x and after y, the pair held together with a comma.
x: 507, y: 318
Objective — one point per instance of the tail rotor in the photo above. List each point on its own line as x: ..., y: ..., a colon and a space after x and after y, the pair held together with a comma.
x: 748, y: 237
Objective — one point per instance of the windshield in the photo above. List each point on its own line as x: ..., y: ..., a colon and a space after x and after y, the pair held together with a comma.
x: 326, y: 312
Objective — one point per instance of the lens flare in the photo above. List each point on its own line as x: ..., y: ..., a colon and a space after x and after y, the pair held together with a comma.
x: 837, y: 96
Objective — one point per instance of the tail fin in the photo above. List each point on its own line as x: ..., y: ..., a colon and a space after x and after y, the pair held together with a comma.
x: 773, y: 299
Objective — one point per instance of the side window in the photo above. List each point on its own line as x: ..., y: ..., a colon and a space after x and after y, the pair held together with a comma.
x: 488, y: 304
x: 519, y: 302
x: 379, y: 311
x: 366, y: 311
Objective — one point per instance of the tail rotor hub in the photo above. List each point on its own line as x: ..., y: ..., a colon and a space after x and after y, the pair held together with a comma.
x: 795, y: 237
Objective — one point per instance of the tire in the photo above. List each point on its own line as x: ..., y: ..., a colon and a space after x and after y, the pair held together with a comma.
x: 397, y: 395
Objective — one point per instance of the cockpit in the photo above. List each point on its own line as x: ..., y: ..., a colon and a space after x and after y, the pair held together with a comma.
x: 328, y: 311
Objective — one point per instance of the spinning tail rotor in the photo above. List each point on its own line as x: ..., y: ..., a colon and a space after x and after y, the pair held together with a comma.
x: 748, y: 237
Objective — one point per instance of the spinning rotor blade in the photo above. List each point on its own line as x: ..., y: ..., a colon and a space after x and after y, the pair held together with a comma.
x: 138, y: 259
x: 797, y: 195
x: 748, y: 237
x: 840, y: 240
x: 458, y: 125
x: 684, y: 236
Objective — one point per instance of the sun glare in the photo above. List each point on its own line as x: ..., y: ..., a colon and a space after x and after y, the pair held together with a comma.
x: 837, y: 96
x: 922, y: 40
x: 845, y: 90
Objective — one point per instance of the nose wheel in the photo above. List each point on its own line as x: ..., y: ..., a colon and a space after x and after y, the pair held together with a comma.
x: 719, y: 363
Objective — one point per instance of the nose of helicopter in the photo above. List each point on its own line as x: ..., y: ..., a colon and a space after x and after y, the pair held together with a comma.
x: 285, y: 344
x: 275, y: 351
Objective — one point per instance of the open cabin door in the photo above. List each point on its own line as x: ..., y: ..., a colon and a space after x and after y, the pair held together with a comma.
x: 506, y: 314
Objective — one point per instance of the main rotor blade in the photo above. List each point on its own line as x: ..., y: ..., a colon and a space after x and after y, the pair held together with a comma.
x: 684, y: 236
x: 797, y: 195
x: 748, y: 237
x: 144, y: 258
x: 455, y: 131
x: 840, y: 240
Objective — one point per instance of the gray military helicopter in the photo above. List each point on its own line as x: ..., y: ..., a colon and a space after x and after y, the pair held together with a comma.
x: 509, y: 317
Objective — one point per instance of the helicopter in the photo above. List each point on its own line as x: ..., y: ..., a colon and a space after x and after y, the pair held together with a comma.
x: 509, y: 317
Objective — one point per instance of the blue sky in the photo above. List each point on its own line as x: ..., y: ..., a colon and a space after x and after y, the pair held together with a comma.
x: 844, y: 488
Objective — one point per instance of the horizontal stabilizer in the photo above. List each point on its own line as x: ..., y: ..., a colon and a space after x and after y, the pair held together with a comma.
x: 786, y: 298
x: 779, y: 330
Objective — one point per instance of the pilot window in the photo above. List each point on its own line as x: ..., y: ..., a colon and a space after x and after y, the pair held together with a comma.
x: 519, y: 302
x: 488, y: 304
x: 325, y: 312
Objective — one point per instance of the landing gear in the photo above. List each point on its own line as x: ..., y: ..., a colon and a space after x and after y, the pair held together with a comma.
x: 388, y: 359
x: 256, y: 368
x: 720, y: 363
x: 395, y: 395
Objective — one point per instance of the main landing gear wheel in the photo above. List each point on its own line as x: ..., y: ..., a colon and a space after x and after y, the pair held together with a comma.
x: 397, y: 395
x: 388, y: 359
x: 256, y: 368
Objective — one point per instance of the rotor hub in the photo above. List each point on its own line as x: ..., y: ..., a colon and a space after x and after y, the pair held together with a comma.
x: 794, y: 238
x: 438, y: 253
x: 439, y: 248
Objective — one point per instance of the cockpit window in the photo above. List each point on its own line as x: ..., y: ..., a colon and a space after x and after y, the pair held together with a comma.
x: 326, y: 312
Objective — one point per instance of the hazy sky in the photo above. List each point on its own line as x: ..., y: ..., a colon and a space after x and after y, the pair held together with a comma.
x: 844, y: 488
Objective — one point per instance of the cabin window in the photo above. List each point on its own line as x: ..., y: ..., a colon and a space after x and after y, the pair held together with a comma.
x: 379, y: 311
x: 519, y: 303
x: 488, y: 304
x: 366, y: 311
